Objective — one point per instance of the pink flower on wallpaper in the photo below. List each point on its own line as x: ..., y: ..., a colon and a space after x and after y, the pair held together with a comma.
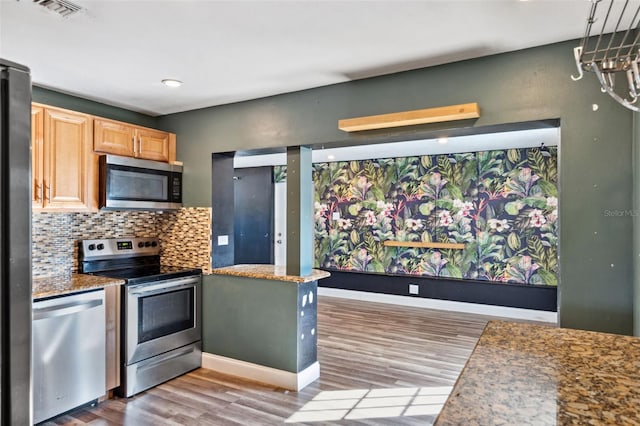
x: 363, y: 255
x: 464, y: 207
x: 344, y: 224
x: 552, y: 202
x: 436, y: 258
x: 370, y: 218
x: 536, y: 218
x: 498, y: 225
x: 526, y: 176
x: 445, y: 218
x: 413, y: 224
x: 321, y: 209
x: 386, y: 208
x: 363, y: 184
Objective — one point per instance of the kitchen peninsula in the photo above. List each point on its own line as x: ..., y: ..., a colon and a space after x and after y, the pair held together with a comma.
x: 537, y: 375
x: 262, y: 324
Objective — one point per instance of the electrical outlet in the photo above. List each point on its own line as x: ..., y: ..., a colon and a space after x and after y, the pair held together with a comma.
x: 413, y: 288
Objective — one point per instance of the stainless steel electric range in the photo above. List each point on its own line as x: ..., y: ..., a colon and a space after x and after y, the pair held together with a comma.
x: 160, y: 316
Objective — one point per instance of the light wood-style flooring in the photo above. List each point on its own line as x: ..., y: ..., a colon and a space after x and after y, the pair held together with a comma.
x: 361, y: 345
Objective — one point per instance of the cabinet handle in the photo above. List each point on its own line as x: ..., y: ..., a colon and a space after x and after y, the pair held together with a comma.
x: 37, y: 190
x: 140, y: 145
x: 133, y: 140
x: 48, y: 192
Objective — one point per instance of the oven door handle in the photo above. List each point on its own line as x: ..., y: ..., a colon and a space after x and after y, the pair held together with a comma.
x: 149, y: 290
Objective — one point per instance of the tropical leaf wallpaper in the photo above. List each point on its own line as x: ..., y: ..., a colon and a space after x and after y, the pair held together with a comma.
x: 502, y: 205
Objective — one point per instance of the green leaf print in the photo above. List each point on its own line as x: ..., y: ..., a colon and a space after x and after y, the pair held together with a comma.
x: 548, y: 278
x: 502, y: 204
x: 549, y: 189
x: 426, y: 208
x: 513, y: 207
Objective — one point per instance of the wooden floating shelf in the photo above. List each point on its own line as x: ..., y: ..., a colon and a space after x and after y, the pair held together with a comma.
x: 455, y: 246
x: 409, y: 118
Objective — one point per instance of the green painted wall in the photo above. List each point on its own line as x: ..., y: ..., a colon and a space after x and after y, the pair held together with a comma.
x: 251, y: 319
x: 74, y: 103
x: 595, y: 290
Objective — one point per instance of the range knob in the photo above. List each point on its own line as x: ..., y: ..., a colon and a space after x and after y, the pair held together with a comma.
x: 92, y: 247
x: 147, y: 244
x: 140, y: 244
x: 154, y: 244
x: 100, y: 246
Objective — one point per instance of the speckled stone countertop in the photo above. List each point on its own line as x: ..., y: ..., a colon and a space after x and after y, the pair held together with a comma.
x: 269, y: 272
x: 523, y: 374
x: 67, y: 284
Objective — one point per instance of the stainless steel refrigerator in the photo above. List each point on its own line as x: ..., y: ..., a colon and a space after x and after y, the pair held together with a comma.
x: 15, y: 244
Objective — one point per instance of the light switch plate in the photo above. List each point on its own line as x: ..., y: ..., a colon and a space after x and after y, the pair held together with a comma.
x: 336, y: 215
x: 223, y: 240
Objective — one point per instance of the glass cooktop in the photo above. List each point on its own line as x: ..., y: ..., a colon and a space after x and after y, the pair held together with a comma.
x: 149, y: 273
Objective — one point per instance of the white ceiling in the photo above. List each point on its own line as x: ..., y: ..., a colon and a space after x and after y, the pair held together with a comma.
x: 117, y: 51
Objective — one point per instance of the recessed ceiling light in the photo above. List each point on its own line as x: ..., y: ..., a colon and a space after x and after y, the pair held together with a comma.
x: 171, y: 82
x: 331, y: 157
x: 442, y: 140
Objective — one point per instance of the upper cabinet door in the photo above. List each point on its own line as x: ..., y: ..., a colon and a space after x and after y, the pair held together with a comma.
x: 152, y: 145
x: 68, y: 165
x: 37, y: 157
x: 112, y: 137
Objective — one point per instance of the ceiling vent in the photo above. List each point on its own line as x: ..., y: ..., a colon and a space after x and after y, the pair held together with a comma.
x: 61, y: 7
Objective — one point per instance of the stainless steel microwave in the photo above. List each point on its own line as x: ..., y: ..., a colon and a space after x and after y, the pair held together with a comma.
x: 132, y: 184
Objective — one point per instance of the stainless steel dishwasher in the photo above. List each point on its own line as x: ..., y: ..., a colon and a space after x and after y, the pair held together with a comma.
x: 68, y: 353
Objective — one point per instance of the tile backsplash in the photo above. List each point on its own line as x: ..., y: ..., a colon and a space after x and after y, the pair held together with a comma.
x: 185, y: 238
x: 55, y: 236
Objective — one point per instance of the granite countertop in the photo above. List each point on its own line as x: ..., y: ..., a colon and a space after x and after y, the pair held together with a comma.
x: 69, y: 283
x: 523, y: 374
x: 269, y: 272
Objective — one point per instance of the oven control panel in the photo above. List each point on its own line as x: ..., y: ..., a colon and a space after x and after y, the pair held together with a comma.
x: 111, y: 248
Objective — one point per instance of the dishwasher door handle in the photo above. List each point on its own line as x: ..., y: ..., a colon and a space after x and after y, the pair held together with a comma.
x: 64, y: 309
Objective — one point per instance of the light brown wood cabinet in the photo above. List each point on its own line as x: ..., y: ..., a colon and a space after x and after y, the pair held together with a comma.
x: 63, y: 163
x: 37, y: 160
x: 114, y: 137
x: 112, y: 311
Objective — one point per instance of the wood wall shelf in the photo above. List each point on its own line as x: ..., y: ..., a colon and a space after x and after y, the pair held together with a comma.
x: 420, y: 244
x: 409, y: 118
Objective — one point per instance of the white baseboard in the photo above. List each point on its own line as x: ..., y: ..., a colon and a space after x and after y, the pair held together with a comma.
x: 443, y: 305
x: 260, y: 373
